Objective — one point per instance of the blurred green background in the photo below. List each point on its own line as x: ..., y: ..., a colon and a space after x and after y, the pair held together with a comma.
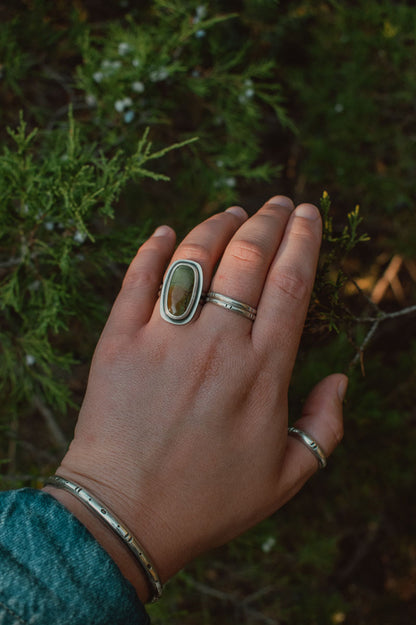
x: 264, y: 97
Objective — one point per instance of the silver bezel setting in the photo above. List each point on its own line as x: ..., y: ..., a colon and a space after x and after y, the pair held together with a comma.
x: 188, y: 315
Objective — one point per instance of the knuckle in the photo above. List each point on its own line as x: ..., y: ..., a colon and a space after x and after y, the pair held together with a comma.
x: 248, y: 252
x: 143, y: 270
x: 195, y: 251
x: 218, y: 218
x: 139, y: 276
x: 303, y: 229
x: 291, y: 282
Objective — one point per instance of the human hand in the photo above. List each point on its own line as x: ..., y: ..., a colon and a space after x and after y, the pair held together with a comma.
x: 183, y: 430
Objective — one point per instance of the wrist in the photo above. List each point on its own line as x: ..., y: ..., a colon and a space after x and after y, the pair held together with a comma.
x: 106, y: 537
x: 132, y: 500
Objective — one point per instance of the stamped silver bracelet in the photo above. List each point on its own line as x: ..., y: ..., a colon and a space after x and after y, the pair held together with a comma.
x: 102, y: 512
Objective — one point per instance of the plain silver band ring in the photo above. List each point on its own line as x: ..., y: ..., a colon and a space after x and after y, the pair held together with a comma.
x: 311, y: 444
x: 231, y: 304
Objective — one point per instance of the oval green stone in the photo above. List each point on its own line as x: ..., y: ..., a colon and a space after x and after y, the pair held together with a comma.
x: 180, y: 291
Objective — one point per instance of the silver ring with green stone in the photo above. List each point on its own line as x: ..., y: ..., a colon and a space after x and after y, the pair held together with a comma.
x: 181, y: 292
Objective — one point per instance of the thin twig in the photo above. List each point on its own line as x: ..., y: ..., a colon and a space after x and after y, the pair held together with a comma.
x: 364, y: 295
x: 380, y: 316
x: 53, y: 427
x: 259, y: 616
x: 258, y: 593
x: 12, y: 262
x: 41, y: 455
x: 12, y: 447
x: 363, y: 549
x: 240, y: 605
x: 211, y: 592
x: 383, y: 315
x: 18, y: 260
x: 359, y: 355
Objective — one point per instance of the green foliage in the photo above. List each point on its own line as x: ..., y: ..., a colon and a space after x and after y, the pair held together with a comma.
x: 176, y: 71
x: 349, y: 238
x: 57, y: 197
x: 357, y: 123
x: 172, y: 75
x: 328, y: 308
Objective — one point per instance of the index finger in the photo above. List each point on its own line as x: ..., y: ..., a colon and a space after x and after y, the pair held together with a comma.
x: 284, y: 302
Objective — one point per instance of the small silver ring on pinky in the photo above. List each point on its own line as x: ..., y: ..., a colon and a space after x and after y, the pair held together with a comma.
x: 311, y: 444
x: 231, y: 304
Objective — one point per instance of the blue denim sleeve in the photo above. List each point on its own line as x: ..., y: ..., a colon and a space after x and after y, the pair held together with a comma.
x: 53, y: 571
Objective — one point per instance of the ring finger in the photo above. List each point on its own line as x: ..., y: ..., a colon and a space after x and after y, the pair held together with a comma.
x: 245, y: 263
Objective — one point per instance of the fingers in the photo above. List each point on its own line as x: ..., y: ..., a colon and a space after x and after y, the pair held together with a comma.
x: 247, y: 258
x: 268, y: 262
x: 322, y: 420
x: 285, y: 298
x: 204, y: 244
x: 138, y: 294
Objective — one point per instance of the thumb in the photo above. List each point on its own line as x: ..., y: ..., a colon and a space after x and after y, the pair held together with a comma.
x: 322, y: 413
x: 322, y: 420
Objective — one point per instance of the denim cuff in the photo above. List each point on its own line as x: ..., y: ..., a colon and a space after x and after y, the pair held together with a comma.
x: 52, y: 570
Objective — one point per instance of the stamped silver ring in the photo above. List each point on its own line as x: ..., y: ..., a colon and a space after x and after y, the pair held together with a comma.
x: 181, y: 292
x: 311, y: 444
x: 231, y: 304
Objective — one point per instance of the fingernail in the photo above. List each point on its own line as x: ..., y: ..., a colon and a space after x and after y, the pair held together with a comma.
x: 308, y: 211
x: 162, y: 231
x: 342, y: 388
x: 237, y: 210
x: 281, y: 200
